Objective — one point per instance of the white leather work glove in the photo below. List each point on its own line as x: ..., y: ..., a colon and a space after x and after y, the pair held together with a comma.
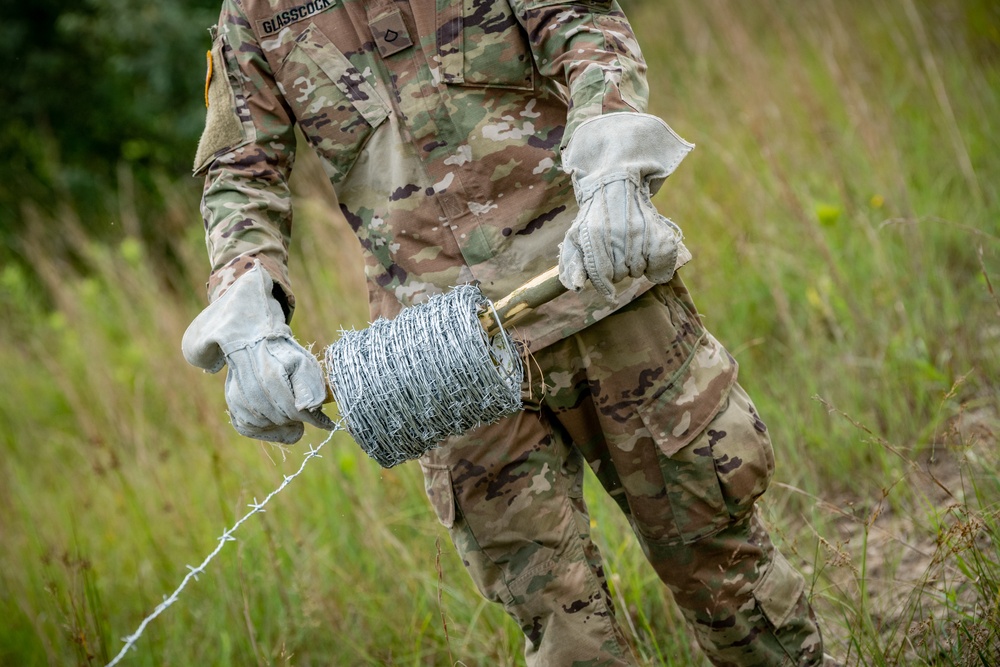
x: 618, y: 161
x: 274, y: 384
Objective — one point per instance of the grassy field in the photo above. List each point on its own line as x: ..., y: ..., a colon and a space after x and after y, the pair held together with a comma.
x: 843, y: 206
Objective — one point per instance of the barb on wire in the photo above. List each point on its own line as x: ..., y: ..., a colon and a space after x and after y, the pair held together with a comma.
x: 227, y: 536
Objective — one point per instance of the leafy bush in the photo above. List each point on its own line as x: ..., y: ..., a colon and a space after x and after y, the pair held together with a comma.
x: 96, y: 93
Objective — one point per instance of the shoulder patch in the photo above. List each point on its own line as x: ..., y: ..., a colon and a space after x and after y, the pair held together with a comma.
x: 223, y: 128
x: 274, y: 24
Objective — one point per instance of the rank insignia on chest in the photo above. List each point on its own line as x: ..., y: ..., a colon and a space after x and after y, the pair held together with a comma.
x: 390, y: 33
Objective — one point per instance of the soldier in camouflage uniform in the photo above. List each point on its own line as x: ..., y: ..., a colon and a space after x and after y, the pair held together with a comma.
x: 467, y: 141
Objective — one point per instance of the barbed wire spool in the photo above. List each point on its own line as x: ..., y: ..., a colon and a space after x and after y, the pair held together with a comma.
x: 404, y: 385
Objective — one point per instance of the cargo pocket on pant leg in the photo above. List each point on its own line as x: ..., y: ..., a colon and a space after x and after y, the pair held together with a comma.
x: 714, y: 480
x: 697, y: 506
x: 681, y: 420
x: 744, y: 459
x: 488, y: 578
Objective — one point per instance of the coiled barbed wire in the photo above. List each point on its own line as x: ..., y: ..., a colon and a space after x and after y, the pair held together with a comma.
x: 404, y: 385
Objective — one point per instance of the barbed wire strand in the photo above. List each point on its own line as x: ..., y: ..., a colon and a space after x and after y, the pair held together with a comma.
x: 227, y: 536
x: 402, y: 386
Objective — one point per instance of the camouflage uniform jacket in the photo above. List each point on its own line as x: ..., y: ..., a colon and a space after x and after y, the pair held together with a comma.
x: 439, y: 123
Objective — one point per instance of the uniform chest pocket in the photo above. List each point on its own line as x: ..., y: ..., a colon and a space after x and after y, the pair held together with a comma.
x: 480, y: 43
x: 334, y: 104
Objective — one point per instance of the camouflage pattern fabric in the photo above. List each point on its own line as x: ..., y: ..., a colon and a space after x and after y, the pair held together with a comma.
x: 649, y: 399
x: 439, y: 124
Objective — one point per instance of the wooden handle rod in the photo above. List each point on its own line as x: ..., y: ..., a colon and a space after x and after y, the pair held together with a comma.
x: 538, y: 291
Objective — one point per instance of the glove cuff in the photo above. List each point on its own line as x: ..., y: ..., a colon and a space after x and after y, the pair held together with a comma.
x: 247, y: 312
x: 623, y: 145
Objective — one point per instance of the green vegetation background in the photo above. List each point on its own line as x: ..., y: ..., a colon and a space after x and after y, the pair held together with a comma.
x: 843, y: 206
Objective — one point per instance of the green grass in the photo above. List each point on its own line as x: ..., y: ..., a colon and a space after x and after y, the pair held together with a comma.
x: 844, y: 212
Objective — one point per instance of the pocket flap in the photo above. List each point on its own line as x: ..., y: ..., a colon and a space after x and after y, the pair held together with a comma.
x: 338, y: 68
x: 683, y: 408
x: 437, y: 483
x: 778, y: 590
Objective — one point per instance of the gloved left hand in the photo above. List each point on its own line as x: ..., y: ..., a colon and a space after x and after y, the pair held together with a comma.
x: 274, y: 384
x: 617, y: 162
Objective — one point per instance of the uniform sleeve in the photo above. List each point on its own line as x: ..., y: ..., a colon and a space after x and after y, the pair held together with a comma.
x: 246, y: 154
x: 587, y: 46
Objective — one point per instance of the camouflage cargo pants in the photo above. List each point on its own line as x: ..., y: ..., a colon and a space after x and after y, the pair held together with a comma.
x: 649, y: 399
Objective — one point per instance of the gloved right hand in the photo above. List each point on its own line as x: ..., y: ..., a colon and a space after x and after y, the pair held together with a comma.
x: 274, y: 384
x: 617, y: 162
